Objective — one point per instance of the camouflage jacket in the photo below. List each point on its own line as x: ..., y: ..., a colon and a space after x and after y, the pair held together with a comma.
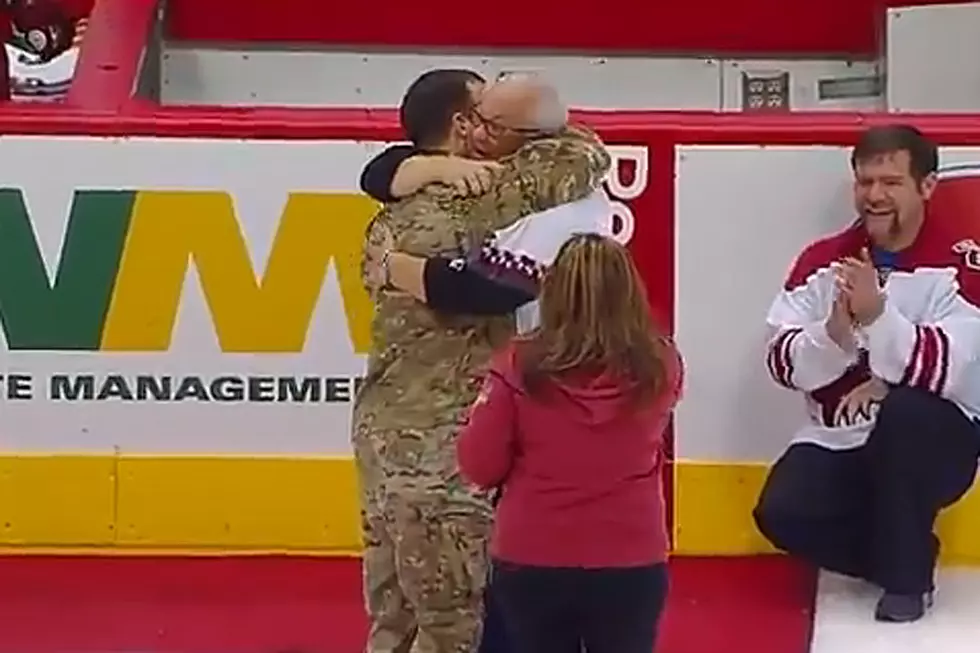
x: 425, y: 368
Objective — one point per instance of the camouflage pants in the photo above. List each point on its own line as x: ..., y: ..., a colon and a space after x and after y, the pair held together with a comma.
x: 425, y: 565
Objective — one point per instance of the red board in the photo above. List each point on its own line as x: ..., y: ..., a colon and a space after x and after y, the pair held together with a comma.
x: 715, y: 27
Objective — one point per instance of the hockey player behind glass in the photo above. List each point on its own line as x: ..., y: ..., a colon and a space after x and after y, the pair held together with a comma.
x: 878, y: 328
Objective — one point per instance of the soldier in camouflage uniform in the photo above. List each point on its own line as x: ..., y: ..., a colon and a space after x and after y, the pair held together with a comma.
x: 425, y: 530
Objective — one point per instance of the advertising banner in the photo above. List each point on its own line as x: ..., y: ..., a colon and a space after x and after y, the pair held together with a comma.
x: 180, y: 295
x: 183, y: 322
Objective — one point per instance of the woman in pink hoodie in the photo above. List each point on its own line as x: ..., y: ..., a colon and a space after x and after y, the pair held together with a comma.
x: 570, y: 426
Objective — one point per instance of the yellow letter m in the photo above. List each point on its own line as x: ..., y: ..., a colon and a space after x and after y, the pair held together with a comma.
x: 267, y: 314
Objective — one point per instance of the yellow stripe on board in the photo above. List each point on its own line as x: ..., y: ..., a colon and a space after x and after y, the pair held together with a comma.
x: 218, y: 504
x: 57, y: 499
x: 180, y: 502
x: 713, y: 508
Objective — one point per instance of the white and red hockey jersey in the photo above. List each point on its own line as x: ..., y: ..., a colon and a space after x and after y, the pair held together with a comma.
x: 928, y: 336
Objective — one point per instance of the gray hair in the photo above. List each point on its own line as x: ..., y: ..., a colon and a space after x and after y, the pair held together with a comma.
x: 549, y: 114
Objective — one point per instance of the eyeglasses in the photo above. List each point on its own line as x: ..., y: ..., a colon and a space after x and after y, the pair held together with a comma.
x: 495, y: 128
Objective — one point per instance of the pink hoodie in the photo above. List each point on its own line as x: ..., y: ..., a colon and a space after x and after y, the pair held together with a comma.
x: 581, y: 477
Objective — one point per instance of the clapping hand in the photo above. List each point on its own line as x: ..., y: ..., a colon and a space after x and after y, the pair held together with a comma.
x: 857, y: 281
x: 840, y: 324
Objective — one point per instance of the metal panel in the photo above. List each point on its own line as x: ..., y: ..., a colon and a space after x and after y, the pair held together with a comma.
x: 933, y: 58
x: 317, y: 78
x: 813, y: 85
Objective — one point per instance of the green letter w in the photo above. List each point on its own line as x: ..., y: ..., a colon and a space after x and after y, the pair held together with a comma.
x: 68, y: 314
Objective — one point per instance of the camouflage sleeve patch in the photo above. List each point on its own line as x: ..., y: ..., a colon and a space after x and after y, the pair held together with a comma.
x: 377, y: 236
x: 562, y: 169
x: 473, y: 217
x: 544, y: 173
x: 433, y: 222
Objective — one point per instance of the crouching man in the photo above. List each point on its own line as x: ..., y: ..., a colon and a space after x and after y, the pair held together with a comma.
x: 878, y: 327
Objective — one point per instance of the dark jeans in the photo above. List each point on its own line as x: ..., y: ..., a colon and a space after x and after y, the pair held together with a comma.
x: 869, y: 512
x: 558, y: 610
x: 495, y: 639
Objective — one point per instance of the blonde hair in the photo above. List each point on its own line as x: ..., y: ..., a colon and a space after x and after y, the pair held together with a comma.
x: 595, y: 318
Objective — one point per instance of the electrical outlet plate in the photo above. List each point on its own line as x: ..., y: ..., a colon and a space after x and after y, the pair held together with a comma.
x: 765, y: 91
